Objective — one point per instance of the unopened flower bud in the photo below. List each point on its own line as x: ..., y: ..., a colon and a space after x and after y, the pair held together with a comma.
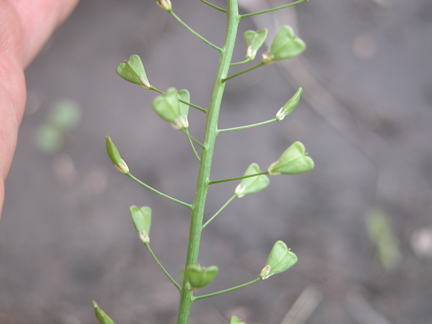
x: 102, y: 317
x: 115, y: 157
x: 289, y: 106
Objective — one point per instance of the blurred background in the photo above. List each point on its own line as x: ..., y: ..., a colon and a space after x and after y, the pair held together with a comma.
x: 360, y: 222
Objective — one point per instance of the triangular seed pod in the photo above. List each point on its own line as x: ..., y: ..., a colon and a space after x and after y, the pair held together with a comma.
x: 293, y: 160
x: 167, y: 107
x: 285, y: 45
x: 280, y: 259
x: 253, y: 41
x: 141, y: 218
x: 252, y: 184
x: 133, y: 71
x: 199, y: 277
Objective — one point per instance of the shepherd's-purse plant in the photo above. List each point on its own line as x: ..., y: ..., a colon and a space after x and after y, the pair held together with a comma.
x: 173, y: 106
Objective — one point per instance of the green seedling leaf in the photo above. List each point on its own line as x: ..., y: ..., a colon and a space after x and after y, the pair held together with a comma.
x: 199, y: 277
x: 184, y: 108
x: 102, y: 317
x: 384, y: 238
x: 49, y: 139
x: 115, y: 157
x: 279, y: 260
x: 141, y: 218
x: 167, y: 107
x: 65, y: 115
x: 293, y: 160
x: 253, y: 41
x: 235, y: 320
x: 133, y: 71
x: 252, y: 184
x: 289, y: 106
x: 285, y: 45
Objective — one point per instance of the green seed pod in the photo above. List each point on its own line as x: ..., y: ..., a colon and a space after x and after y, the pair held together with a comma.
x: 167, y: 107
x: 199, y: 277
x: 279, y: 260
x: 289, y: 106
x: 293, y: 160
x: 133, y: 71
x: 252, y: 184
x: 115, y: 157
x: 236, y: 320
x: 253, y: 41
x: 141, y: 218
x: 102, y: 317
x: 285, y: 45
x: 184, y: 95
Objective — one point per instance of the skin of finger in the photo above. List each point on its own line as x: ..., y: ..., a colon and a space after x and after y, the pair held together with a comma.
x: 12, y: 88
x: 8, y: 137
x: 23, y: 32
x: 38, y: 19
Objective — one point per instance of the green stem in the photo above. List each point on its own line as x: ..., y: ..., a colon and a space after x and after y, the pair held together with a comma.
x: 194, y: 32
x: 186, y: 297
x: 185, y: 102
x: 241, y: 72
x: 196, y: 141
x: 162, y: 267
x: 158, y: 192
x: 238, y: 178
x: 247, y: 126
x: 212, y: 5
x: 242, y: 62
x: 218, y: 212
x: 273, y: 9
x: 191, y: 143
x: 226, y: 290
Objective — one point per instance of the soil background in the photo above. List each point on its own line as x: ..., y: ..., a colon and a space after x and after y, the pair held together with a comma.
x: 365, y: 118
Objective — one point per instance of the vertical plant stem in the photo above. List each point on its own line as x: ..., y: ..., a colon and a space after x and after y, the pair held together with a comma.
x: 211, y: 131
